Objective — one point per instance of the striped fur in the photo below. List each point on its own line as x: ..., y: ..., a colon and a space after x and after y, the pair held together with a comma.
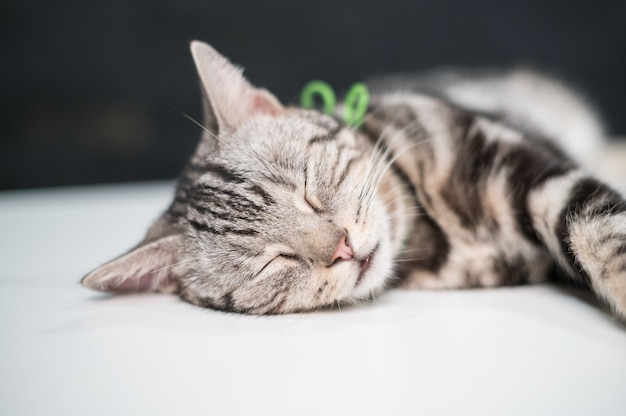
x: 427, y: 194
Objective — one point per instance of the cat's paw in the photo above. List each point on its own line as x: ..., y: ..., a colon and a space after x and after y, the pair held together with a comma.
x: 599, y: 246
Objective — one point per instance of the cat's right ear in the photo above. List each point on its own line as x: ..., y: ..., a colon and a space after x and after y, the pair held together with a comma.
x: 148, y: 267
x: 227, y: 95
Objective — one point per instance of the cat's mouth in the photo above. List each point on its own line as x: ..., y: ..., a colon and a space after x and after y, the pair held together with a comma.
x: 365, y: 264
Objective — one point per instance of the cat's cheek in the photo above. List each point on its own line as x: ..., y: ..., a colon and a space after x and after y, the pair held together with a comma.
x: 335, y: 283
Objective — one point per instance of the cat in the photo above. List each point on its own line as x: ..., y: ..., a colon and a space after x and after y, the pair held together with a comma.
x: 450, y: 182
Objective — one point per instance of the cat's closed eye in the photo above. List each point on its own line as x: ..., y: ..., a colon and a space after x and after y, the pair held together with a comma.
x: 279, y: 260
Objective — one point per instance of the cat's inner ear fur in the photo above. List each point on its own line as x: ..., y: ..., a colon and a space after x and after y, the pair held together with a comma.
x: 227, y: 95
x: 146, y: 268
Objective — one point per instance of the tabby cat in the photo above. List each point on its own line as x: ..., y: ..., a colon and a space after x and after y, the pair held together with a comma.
x: 450, y: 182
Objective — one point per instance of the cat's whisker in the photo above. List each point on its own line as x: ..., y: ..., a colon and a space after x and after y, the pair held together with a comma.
x: 197, y: 123
x: 397, y: 188
x: 410, y: 250
x: 408, y: 216
x: 372, y: 179
x: 370, y: 163
x: 374, y: 159
x: 400, y: 153
x: 403, y: 260
x: 385, y: 155
x: 409, y: 212
x: 383, y: 148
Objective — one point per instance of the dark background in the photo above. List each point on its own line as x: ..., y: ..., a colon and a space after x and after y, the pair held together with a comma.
x: 89, y: 89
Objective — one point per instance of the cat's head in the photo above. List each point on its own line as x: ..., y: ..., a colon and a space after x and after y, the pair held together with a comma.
x: 277, y: 211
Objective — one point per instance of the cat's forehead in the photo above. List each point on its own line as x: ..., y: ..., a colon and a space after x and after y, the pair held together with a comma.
x: 286, y: 134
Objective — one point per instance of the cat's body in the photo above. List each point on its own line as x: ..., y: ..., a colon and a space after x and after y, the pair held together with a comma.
x: 285, y: 209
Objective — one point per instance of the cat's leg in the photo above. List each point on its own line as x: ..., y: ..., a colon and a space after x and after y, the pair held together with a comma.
x: 583, y: 224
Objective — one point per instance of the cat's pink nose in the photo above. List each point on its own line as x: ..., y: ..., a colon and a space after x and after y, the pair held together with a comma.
x: 343, y: 251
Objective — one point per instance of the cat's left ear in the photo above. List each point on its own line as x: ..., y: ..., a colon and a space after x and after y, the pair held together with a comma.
x: 231, y: 98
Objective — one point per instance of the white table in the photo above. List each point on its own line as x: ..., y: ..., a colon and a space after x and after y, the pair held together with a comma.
x: 69, y: 351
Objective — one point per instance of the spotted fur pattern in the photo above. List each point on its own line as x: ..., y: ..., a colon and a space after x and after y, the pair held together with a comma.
x: 284, y: 210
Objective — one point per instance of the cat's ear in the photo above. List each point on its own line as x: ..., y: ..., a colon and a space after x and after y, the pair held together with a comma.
x: 146, y: 268
x: 227, y: 94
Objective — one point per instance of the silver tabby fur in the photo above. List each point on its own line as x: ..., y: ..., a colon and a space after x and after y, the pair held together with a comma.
x: 452, y: 181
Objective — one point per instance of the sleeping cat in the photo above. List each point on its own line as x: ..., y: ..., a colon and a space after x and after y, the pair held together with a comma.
x: 450, y: 182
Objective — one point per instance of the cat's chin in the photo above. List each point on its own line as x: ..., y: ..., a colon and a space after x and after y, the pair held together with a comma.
x: 374, y: 271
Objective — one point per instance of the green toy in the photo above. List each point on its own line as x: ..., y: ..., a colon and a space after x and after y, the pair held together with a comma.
x: 355, y: 105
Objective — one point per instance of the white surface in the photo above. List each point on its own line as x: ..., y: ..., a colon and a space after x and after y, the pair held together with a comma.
x: 66, y: 350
